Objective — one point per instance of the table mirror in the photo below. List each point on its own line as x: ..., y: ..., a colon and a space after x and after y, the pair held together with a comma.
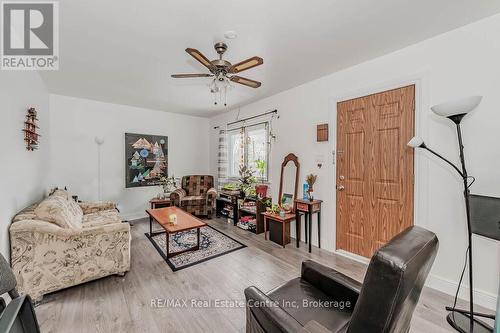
x: 289, y: 181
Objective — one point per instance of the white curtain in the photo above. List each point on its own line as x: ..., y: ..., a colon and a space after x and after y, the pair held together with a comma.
x: 222, y: 159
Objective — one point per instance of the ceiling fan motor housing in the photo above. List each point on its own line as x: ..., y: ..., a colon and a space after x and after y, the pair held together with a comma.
x: 220, y: 48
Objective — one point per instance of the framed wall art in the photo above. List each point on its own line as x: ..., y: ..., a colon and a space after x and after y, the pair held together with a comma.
x: 146, y: 159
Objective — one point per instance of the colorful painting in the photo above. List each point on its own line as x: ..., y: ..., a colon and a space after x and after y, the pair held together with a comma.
x: 146, y: 158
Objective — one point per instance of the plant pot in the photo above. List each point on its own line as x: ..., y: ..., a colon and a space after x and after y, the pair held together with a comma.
x: 261, y: 190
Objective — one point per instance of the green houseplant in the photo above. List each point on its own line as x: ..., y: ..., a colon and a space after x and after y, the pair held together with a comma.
x: 247, y: 180
x: 261, y: 189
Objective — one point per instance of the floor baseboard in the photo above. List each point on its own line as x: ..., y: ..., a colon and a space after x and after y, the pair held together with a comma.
x: 481, y: 297
x: 133, y: 216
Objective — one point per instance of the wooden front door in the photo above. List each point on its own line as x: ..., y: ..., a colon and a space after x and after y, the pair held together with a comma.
x: 374, y: 169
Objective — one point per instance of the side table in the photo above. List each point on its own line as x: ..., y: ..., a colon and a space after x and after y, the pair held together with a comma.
x: 160, y: 203
x: 308, y: 208
x: 285, y: 226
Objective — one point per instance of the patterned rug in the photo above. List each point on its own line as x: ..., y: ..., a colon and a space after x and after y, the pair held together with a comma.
x: 213, y: 243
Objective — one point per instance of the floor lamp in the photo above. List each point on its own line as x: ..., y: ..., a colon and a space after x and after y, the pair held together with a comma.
x: 99, y: 141
x: 460, y: 320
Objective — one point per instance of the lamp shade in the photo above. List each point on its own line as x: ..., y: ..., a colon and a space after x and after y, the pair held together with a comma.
x: 457, y: 107
x: 416, y: 142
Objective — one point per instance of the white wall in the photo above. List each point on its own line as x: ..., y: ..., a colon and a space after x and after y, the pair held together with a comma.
x: 24, y: 173
x: 459, y: 63
x: 76, y: 122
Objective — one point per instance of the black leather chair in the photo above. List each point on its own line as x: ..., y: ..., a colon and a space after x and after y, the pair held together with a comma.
x: 383, y: 303
x: 19, y: 315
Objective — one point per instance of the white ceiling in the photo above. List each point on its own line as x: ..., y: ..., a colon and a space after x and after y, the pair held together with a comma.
x: 123, y: 51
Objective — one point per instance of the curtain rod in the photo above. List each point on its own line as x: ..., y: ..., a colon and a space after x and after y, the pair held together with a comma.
x: 252, y: 117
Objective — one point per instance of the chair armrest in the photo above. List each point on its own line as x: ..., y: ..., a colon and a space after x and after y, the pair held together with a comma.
x: 265, y: 312
x: 313, y: 326
x: 177, y: 195
x: 331, y: 282
x: 94, y: 207
x: 211, y: 195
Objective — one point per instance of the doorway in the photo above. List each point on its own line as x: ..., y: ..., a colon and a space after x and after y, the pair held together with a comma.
x: 375, y: 169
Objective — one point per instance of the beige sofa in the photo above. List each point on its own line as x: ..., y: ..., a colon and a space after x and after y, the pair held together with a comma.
x: 58, y: 243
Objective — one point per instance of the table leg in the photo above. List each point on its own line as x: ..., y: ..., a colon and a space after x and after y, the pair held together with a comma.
x: 297, y: 227
x: 305, y: 226
x: 265, y: 228
x: 283, y: 227
x: 319, y: 229
x: 198, y: 239
x: 310, y: 230
x: 150, y: 226
x: 168, y: 245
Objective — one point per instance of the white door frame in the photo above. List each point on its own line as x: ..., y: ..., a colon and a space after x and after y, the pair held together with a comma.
x: 421, y: 165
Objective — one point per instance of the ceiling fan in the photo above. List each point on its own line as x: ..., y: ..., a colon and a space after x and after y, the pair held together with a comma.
x: 223, y: 71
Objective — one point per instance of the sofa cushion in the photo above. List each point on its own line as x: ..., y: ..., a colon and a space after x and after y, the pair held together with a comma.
x: 193, y: 200
x: 101, y: 218
x: 65, y: 213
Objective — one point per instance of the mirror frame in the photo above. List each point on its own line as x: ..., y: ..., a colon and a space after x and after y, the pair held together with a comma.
x: 290, y: 158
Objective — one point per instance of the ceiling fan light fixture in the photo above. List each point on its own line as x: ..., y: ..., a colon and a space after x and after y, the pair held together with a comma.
x: 220, y: 68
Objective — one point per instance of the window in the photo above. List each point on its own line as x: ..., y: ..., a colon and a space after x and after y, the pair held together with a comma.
x: 248, y: 146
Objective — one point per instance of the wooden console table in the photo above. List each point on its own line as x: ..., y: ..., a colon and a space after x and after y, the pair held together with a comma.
x: 285, y: 227
x: 308, y: 208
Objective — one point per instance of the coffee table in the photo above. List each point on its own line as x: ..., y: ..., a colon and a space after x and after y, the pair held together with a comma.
x: 185, y: 221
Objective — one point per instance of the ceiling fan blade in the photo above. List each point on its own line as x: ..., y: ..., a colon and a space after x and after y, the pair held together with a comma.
x: 246, y: 64
x: 245, y: 81
x: 187, y: 76
x: 201, y: 58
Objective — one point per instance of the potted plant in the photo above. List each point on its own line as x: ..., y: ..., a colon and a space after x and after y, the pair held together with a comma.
x: 168, y: 184
x: 311, y: 179
x: 247, y: 181
x: 274, y: 209
x: 261, y: 188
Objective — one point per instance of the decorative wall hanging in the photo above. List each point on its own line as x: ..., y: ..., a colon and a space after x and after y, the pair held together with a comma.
x: 146, y: 159
x: 30, y: 130
x: 322, y: 133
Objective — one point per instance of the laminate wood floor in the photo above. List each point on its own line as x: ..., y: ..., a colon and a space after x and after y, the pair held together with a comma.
x: 124, y: 304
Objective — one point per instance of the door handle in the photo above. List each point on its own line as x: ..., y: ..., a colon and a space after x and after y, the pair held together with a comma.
x: 340, y: 187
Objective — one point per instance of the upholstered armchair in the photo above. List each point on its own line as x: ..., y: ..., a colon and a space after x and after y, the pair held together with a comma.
x: 328, y: 301
x: 196, y: 195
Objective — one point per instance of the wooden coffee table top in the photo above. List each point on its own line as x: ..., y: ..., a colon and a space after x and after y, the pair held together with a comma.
x: 185, y: 221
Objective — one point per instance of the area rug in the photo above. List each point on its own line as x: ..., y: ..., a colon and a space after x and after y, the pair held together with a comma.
x: 213, y: 244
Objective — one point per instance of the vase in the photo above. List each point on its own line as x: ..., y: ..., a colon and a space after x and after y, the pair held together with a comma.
x: 311, y: 194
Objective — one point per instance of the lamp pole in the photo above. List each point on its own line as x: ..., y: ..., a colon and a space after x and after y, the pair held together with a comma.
x: 461, y: 320
x: 465, y: 316
x: 467, y: 211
